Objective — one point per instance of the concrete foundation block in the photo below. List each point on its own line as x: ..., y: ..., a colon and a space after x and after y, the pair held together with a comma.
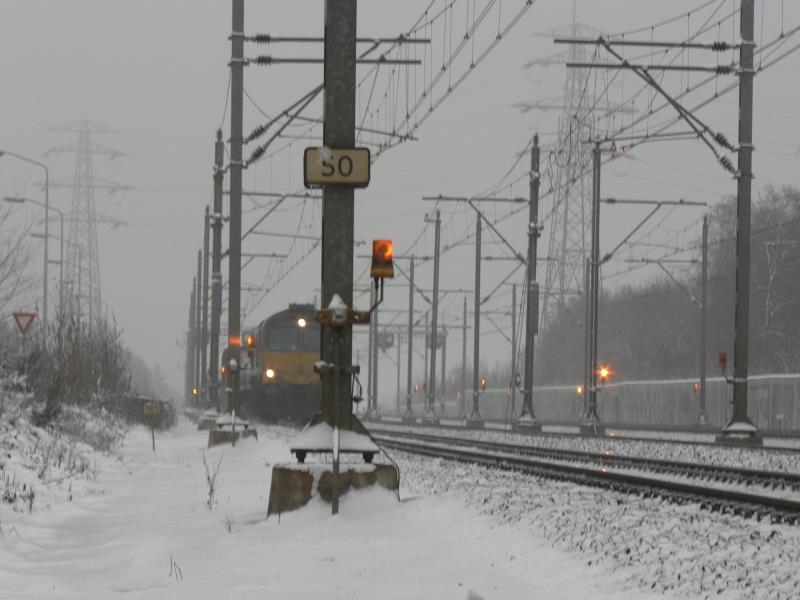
x: 206, y: 423
x: 592, y: 429
x: 526, y: 427
x: 217, y: 437
x: 293, y: 486
x: 740, y: 440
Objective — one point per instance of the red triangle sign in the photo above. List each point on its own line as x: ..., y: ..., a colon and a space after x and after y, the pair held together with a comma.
x: 24, y: 320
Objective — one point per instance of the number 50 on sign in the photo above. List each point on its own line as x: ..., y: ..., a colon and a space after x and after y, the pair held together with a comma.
x: 336, y: 166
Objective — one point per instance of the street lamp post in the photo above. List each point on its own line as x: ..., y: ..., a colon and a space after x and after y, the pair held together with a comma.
x: 44, y: 236
x: 46, y: 222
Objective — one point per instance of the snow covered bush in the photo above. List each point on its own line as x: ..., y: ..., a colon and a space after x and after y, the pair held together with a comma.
x: 40, y: 463
x: 78, y: 363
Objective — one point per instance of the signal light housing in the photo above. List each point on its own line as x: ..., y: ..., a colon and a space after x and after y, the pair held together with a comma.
x: 251, y: 344
x: 382, y: 259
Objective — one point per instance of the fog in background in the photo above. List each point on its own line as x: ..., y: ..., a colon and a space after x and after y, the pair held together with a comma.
x: 157, y: 72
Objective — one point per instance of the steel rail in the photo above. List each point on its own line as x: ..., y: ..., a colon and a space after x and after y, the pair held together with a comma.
x: 717, y: 472
x: 716, y: 499
x: 458, y: 425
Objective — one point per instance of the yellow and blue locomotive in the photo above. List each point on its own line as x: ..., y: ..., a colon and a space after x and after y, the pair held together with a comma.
x: 281, y: 382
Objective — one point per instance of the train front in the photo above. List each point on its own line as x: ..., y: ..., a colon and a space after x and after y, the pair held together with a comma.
x: 284, y: 384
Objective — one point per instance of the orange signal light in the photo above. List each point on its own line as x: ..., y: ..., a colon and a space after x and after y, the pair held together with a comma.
x: 382, y: 259
x: 250, y: 341
x: 484, y: 381
x: 604, y: 372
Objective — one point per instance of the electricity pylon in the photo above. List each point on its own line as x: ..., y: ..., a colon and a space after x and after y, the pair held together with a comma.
x: 82, y: 267
x: 570, y: 170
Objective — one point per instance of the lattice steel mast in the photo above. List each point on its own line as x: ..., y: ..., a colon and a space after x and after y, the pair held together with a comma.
x: 82, y: 268
x: 572, y: 207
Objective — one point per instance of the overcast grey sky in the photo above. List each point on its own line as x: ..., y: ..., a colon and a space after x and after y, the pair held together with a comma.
x: 156, y: 70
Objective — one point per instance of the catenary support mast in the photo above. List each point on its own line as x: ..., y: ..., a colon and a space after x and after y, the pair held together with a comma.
x: 740, y: 427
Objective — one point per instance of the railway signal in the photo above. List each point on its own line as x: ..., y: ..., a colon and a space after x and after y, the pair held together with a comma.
x: 484, y: 381
x: 382, y: 255
x: 251, y: 345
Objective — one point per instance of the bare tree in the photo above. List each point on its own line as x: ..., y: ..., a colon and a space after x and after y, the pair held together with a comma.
x: 15, y: 257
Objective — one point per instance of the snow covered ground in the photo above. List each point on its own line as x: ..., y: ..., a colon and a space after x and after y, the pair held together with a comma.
x: 142, y: 530
x: 650, y: 543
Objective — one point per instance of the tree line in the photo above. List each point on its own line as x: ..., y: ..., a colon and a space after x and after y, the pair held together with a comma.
x: 652, y: 330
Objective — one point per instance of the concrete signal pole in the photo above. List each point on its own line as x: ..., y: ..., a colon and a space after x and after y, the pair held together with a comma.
x: 425, y: 362
x: 527, y: 420
x: 337, y: 208
x: 463, y: 409
x: 475, y: 419
x: 198, y: 327
x: 592, y: 424
x: 740, y: 428
x: 189, y: 358
x: 204, y: 304
x: 370, y: 356
x: 397, y: 398
x: 587, y: 334
x: 191, y: 341
x: 513, y: 387
x: 409, y: 415
x: 430, y: 409
x: 216, y: 272
x: 443, y: 376
x: 704, y: 324
x: 235, y: 199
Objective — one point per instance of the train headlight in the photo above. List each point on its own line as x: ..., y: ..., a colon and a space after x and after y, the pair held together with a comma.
x: 301, y: 322
x: 270, y: 373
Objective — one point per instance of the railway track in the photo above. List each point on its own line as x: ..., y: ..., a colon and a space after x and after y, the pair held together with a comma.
x: 721, y: 473
x: 559, y: 465
x: 617, y: 435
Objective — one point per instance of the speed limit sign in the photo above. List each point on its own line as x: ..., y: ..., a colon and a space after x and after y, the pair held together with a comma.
x: 336, y: 166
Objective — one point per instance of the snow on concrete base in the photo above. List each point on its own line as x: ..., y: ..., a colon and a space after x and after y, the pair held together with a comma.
x: 294, y: 485
x: 319, y: 437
